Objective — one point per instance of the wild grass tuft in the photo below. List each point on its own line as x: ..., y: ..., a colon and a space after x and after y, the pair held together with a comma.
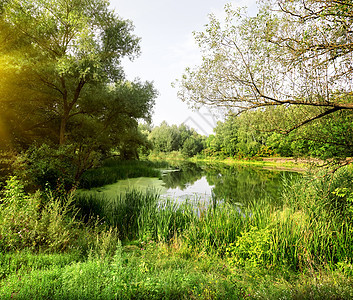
x: 45, y: 223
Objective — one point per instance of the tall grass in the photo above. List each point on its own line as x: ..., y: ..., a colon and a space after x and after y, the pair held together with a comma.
x: 137, y: 214
x: 309, y: 230
x: 44, y: 223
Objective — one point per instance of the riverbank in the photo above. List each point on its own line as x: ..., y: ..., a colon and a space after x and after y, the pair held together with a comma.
x: 297, y: 249
x: 271, y: 163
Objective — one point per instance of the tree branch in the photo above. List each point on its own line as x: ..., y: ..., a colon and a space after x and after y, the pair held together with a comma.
x: 325, y: 113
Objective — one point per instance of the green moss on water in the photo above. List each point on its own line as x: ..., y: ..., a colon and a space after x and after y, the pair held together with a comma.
x: 113, y: 170
x: 123, y: 186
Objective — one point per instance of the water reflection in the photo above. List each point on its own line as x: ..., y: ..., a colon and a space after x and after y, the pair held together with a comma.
x: 240, y: 184
x: 199, y: 189
x: 183, y: 174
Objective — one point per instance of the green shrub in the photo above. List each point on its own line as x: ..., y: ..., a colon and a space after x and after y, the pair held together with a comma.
x: 28, y: 222
x: 47, y: 167
x: 43, y: 222
x: 252, y: 248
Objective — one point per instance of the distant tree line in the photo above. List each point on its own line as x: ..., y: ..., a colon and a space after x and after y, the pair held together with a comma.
x: 259, y: 133
x: 170, y: 138
x: 262, y: 133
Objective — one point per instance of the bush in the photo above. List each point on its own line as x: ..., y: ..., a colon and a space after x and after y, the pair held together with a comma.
x: 46, y: 167
x: 44, y: 222
x: 251, y: 249
x: 29, y: 222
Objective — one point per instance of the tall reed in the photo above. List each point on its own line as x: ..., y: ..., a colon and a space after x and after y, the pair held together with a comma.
x: 137, y: 214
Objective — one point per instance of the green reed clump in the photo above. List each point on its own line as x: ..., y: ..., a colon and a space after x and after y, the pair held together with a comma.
x: 325, y: 218
x: 311, y: 230
x: 113, y: 170
x: 321, y: 194
x: 122, y: 212
x: 215, y: 228
x: 166, y: 220
x: 136, y: 214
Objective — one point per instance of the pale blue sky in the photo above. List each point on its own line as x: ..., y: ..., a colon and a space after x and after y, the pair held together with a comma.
x: 168, y: 47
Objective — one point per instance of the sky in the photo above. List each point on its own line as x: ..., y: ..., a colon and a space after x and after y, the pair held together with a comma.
x: 167, y: 48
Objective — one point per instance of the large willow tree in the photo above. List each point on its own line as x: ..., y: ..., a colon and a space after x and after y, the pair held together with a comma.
x: 63, y: 94
x: 55, y: 52
x: 294, y: 54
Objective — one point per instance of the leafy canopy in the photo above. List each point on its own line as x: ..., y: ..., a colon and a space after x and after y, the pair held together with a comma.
x: 291, y: 53
x: 62, y: 49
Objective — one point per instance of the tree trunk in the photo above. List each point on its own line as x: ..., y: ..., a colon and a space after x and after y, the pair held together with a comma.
x: 62, y: 133
x: 67, y: 108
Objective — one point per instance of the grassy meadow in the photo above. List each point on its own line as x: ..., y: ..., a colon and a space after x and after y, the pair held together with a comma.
x: 137, y: 246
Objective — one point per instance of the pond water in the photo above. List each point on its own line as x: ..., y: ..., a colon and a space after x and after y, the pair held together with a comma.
x: 185, y: 180
x: 237, y: 183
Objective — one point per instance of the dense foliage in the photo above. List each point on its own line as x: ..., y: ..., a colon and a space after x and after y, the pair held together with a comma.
x: 292, y: 61
x: 251, y: 135
x: 165, y: 138
x: 62, y: 83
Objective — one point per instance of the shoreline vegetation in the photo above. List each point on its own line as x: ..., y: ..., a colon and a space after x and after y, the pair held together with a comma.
x: 296, y: 164
x: 62, y: 246
x: 271, y: 163
x: 275, y: 163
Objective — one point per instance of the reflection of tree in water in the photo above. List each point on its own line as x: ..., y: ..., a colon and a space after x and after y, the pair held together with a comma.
x: 241, y: 184
x: 188, y: 173
x: 245, y: 184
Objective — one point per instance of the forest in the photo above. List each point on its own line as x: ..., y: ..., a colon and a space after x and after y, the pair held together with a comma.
x: 75, y: 134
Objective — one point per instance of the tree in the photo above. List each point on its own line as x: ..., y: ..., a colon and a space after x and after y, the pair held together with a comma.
x: 192, y: 146
x: 292, y: 53
x: 325, y: 137
x: 165, y: 138
x: 73, y: 44
x: 113, y: 121
x: 238, y: 136
x: 63, y: 97
x: 226, y: 137
x: 161, y: 138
